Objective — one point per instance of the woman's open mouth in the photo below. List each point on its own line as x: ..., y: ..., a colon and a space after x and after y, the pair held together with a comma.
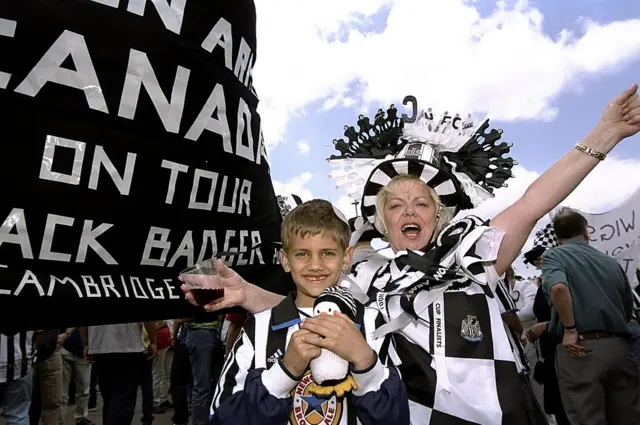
x: 411, y: 231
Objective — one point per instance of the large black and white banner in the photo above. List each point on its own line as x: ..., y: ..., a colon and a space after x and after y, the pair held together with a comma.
x: 131, y: 148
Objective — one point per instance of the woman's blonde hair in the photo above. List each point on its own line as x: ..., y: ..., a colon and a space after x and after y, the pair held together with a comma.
x: 392, y: 188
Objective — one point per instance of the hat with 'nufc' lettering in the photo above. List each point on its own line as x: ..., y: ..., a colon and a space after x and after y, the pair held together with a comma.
x: 454, y: 156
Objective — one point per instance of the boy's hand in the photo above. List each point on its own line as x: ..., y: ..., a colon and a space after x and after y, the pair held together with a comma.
x: 341, y: 336
x: 299, y: 353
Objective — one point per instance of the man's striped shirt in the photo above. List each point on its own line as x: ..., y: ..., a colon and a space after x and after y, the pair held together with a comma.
x: 16, y: 355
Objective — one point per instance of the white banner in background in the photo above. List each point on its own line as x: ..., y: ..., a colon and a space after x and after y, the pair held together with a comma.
x: 629, y: 259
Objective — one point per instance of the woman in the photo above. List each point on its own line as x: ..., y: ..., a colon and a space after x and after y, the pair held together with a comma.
x: 437, y: 294
x: 537, y: 334
x: 523, y: 293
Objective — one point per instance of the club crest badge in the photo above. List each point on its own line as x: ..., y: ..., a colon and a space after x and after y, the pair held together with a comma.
x: 471, y: 329
x: 309, y: 409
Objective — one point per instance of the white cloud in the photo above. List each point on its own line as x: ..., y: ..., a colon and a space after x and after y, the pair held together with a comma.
x: 297, y: 186
x: 608, y: 186
x: 443, y: 52
x: 303, y: 147
x: 294, y: 186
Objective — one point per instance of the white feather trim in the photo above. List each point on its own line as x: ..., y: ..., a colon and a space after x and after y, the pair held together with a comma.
x: 351, y: 175
x: 474, y: 191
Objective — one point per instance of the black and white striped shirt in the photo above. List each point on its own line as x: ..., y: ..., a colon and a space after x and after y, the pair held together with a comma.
x: 16, y: 355
x: 459, y: 363
x: 261, y: 346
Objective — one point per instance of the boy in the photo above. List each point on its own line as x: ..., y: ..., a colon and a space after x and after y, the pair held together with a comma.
x: 266, y: 378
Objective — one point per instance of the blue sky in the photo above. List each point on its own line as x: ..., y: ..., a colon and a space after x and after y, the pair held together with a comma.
x: 606, y: 64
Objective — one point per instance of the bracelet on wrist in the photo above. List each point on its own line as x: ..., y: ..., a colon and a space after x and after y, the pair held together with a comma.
x: 591, y: 152
x: 569, y: 328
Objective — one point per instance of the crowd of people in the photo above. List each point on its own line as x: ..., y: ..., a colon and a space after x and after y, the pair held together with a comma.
x: 410, y: 314
x: 116, y: 361
x: 170, y: 365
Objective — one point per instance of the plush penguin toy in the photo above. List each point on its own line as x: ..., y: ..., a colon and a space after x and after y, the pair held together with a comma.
x: 329, y: 368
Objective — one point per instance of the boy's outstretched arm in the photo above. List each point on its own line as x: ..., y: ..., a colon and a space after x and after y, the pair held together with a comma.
x: 248, y: 396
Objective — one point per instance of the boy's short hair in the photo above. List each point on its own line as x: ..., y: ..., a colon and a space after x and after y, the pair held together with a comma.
x: 312, y: 218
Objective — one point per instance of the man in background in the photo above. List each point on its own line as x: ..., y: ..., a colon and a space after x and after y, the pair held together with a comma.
x: 202, y: 339
x: 592, y: 305
x: 76, y: 369
x: 118, y: 353
x: 47, y: 397
x: 180, y: 374
x: 16, y: 377
x: 162, y: 368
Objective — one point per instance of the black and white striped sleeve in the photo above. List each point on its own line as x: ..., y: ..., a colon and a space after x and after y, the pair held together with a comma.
x: 248, y: 393
x: 507, y: 305
x: 237, y: 366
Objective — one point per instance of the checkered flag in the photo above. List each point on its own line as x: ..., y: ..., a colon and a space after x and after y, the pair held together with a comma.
x: 546, y: 237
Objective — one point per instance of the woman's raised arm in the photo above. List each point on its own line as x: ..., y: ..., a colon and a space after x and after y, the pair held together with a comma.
x: 621, y: 119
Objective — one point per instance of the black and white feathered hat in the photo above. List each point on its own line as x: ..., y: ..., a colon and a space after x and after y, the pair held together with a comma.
x: 341, y: 297
x: 545, y: 239
x: 459, y: 160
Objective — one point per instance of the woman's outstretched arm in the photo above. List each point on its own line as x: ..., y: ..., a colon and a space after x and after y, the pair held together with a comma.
x: 621, y: 119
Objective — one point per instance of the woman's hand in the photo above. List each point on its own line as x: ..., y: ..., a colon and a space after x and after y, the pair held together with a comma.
x: 621, y: 117
x: 235, y: 287
x: 341, y: 336
x: 536, y: 331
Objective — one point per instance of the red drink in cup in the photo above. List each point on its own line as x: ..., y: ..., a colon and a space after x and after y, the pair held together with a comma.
x: 204, y: 289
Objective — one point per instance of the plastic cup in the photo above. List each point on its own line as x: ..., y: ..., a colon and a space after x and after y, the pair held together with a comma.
x: 198, y: 278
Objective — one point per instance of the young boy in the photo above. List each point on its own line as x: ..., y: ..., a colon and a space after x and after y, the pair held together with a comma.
x: 266, y: 378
